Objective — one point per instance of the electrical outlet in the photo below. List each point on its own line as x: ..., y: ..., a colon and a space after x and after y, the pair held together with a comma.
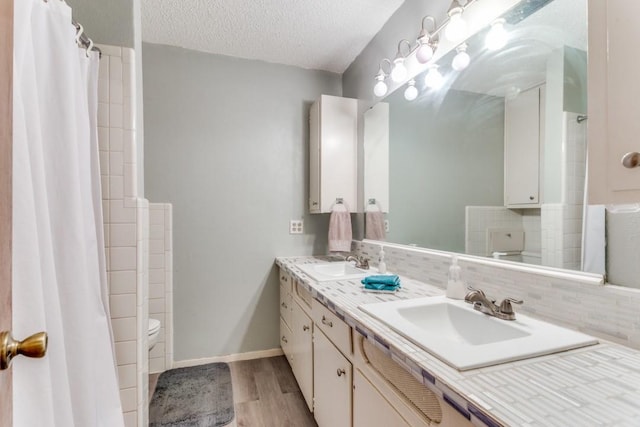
x: 386, y: 225
x: 296, y: 226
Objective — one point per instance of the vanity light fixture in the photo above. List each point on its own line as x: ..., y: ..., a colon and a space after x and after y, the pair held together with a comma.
x: 497, y: 36
x: 462, y: 58
x: 456, y: 29
x: 434, y: 79
x: 411, y: 92
x: 399, y: 71
x: 427, y: 44
x: 380, y: 88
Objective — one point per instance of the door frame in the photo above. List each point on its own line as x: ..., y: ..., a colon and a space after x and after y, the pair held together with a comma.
x: 6, y: 143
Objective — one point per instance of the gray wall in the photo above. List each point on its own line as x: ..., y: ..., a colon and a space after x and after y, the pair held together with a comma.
x: 107, y: 21
x: 227, y: 144
x: 444, y: 154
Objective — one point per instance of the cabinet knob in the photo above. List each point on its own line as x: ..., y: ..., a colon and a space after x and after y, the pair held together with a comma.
x: 327, y: 322
x: 531, y: 197
x: 305, y: 327
x: 340, y: 372
x: 631, y: 160
x: 284, y: 339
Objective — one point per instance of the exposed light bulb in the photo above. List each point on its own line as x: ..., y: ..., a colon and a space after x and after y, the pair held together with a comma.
x: 456, y: 29
x: 380, y: 88
x: 399, y: 71
x: 424, y: 53
x: 497, y: 36
x: 434, y: 79
x: 411, y: 92
x: 462, y: 58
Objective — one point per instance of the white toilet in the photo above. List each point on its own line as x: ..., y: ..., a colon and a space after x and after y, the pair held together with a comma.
x: 154, y: 332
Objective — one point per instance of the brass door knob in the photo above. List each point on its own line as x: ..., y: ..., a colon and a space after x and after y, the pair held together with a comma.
x: 33, y: 346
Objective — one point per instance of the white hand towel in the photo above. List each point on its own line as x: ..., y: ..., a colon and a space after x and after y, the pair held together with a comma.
x: 340, y: 229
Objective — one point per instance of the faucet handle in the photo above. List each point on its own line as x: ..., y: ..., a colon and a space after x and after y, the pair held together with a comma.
x: 505, y: 305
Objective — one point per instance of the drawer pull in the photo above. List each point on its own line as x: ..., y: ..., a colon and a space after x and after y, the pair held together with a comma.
x: 284, y: 339
x: 283, y: 278
x: 340, y: 372
x: 284, y: 305
x: 305, y: 327
x: 327, y: 322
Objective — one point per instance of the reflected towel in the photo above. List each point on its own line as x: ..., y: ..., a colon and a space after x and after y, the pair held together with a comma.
x: 374, y: 226
x: 382, y: 279
x: 340, y: 229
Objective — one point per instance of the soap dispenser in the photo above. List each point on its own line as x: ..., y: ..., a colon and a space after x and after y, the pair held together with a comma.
x: 455, y: 285
x: 382, y: 266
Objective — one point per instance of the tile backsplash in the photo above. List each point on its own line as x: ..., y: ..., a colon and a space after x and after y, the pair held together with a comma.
x: 606, y: 311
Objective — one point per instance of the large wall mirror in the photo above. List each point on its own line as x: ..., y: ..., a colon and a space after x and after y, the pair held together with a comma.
x: 490, y: 160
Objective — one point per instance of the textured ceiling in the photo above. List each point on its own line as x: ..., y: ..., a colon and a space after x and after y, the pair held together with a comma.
x: 322, y: 34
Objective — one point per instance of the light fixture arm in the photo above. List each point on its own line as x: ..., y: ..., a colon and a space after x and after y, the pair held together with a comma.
x: 408, y: 43
x: 381, y: 71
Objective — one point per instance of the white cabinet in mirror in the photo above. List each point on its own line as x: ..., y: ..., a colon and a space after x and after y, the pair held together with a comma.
x: 447, y: 172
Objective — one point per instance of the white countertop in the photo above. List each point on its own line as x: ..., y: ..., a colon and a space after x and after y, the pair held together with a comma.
x: 592, y: 386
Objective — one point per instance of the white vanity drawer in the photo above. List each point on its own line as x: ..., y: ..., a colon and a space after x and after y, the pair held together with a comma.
x: 286, y: 304
x: 335, y: 328
x: 285, y: 280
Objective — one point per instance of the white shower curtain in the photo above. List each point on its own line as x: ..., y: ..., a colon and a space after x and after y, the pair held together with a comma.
x: 59, y: 277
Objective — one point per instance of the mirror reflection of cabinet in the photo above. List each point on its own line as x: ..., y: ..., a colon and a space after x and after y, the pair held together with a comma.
x: 376, y: 156
x: 523, y: 137
x: 614, y: 101
x: 333, y: 141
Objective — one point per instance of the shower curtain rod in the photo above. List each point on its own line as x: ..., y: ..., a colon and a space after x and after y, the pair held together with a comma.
x: 84, y: 40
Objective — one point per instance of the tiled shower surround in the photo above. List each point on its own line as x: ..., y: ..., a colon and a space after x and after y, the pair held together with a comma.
x: 126, y: 223
x: 606, y: 311
x: 160, y: 284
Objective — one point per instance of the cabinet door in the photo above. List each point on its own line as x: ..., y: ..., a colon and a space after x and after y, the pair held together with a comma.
x: 370, y: 408
x: 614, y: 101
x: 333, y: 143
x: 332, y: 384
x: 522, y: 149
x: 303, y: 352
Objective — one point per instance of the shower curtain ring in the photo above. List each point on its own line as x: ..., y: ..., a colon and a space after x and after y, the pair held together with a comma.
x: 80, y: 29
x: 90, y: 47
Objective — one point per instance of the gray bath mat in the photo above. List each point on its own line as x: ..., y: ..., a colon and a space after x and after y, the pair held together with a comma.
x: 199, y: 396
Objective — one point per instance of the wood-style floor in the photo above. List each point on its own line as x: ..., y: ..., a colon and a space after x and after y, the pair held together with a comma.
x: 265, y: 394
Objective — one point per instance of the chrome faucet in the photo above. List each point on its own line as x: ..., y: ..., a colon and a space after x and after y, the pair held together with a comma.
x: 488, y: 306
x: 361, y: 262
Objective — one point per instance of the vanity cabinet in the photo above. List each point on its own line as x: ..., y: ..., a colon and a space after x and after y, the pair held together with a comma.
x: 333, y: 139
x: 523, y: 137
x: 332, y: 385
x: 296, y: 333
x: 286, y: 314
x: 332, y: 368
x: 302, y: 352
x: 614, y: 101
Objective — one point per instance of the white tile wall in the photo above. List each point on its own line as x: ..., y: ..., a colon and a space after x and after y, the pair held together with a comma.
x: 160, y: 284
x: 480, y: 218
x: 126, y: 229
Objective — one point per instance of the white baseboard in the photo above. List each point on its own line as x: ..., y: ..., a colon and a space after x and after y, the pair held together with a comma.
x: 229, y: 358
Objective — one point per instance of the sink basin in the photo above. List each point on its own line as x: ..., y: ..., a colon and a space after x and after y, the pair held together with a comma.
x: 466, y: 339
x: 334, y: 271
